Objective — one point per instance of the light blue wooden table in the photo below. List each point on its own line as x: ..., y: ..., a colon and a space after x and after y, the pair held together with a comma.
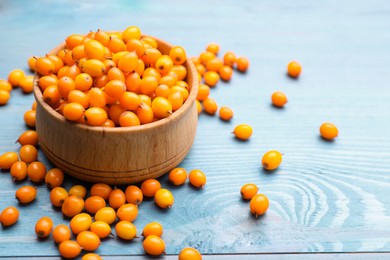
x: 328, y: 199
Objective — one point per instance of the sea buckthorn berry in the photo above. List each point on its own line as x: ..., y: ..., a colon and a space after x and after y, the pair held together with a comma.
x: 28, y: 137
x: 128, y: 118
x: 131, y: 32
x: 9, y: 216
x: 80, y: 222
x: 46, y: 81
x: 116, y: 44
x: 73, y: 111
x: 149, y: 41
x: 177, y: 176
x: 15, y: 76
x: 58, y: 63
x: 51, y: 95
x: 44, y: 66
x: 73, y: 70
x: 83, y: 81
x: 72, y: 206
x: 73, y: 40
x: 58, y: 196
x: 154, y: 245
x: 151, y: 56
x: 242, y: 64
x: 164, y: 64
x: 43, y: 227
x: 69, y: 249
x: 148, y: 85
x: 135, y: 45
x: 26, y: 194
x: 189, y: 253
x: 7, y: 159
x: 176, y: 100
x: 117, y: 198
x: 129, y: 100
x: 161, y: 107
x: 94, y: 50
x: 210, y: 106
x: 97, y: 98
x: 94, y: 203
x: 27, y: 84
x: 78, y: 190
x: 203, y: 92
x: 271, y: 160
x: 36, y: 172
x: 259, y: 205
x: 30, y: 118
x: 153, y: 228
x: 54, y: 178
x: 149, y: 187
x: 162, y: 91
x: 182, y: 90
x: 248, y: 191
x: 100, y: 228
x: 93, y: 67
x: 4, y: 97
x: 126, y: 230
x: 178, y: 55
x: 213, y: 47
x: 133, y: 195
x: 279, y: 99
x: 164, y: 198
x: 68, y: 58
x: 211, y: 78
x: 116, y: 74
x: 225, y: 113
x: 5, y: 85
x: 31, y: 63
x: 205, y: 56
x: 106, y: 214
x: 101, y: 189
x: 34, y: 105
x: 19, y: 171
x: 294, y: 69
x: 91, y: 256
x: 102, y: 37
x: 229, y: 59
x: 214, y: 64
x: 243, y: 132
x: 128, y: 62
x: 61, y: 233
x: 78, y: 53
x: 225, y: 72
x: 328, y: 131
x: 77, y: 96
x: 180, y: 71
x: 133, y: 82
x: 95, y: 116
x: 197, y: 178
x: 128, y: 212
x: 201, y: 69
x: 140, y: 67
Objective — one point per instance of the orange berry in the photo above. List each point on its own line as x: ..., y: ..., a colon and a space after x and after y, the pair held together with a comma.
x: 69, y: 249
x: 178, y: 55
x: 100, y: 228
x: 83, y: 82
x: 225, y: 72
x: 106, y: 214
x: 30, y: 118
x: 242, y: 64
x: 73, y: 111
x: 128, y: 212
x: 15, y: 76
x: 61, y: 233
x: 197, y: 178
x: 225, y: 113
x: 43, y: 227
x: 78, y: 190
x: 44, y: 66
x: 243, y: 132
x: 164, y: 198
x: 102, y: 190
x: 91, y: 256
x: 214, y: 64
x: 54, y: 178
x: 248, y: 191
x: 210, y: 106
x: 36, y: 172
x: 28, y: 137
x: 58, y: 196
x: 211, y: 78
x: 95, y: 116
x: 177, y: 176
x: 117, y: 198
x: 279, y: 99
x: 259, y: 205
x: 229, y: 59
x: 94, y: 203
x: 203, y: 92
x: 149, y: 187
x: 153, y: 245
x: 4, y: 97
x: 9, y: 216
x: 26, y: 194
x: 133, y: 195
x: 294, y: 69
x: 80, y: 222
x: 189, y: 253
x: 72, y: 206
x: 125, y: 230
x: 27, y: 84
x: 329, y: 131
x: 7, y: 159
x: 19, y: 171
x: 153, y: 228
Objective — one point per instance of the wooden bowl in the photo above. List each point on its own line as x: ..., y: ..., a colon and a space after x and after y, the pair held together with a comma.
x: 120, y: 155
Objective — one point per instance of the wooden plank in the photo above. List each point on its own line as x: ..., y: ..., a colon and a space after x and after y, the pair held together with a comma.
x: 325, y: 197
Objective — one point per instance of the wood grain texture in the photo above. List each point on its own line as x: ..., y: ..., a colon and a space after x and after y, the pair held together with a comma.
x: 325, y: 197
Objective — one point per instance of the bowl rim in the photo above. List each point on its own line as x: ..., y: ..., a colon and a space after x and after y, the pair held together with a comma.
x: 176, y: 115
